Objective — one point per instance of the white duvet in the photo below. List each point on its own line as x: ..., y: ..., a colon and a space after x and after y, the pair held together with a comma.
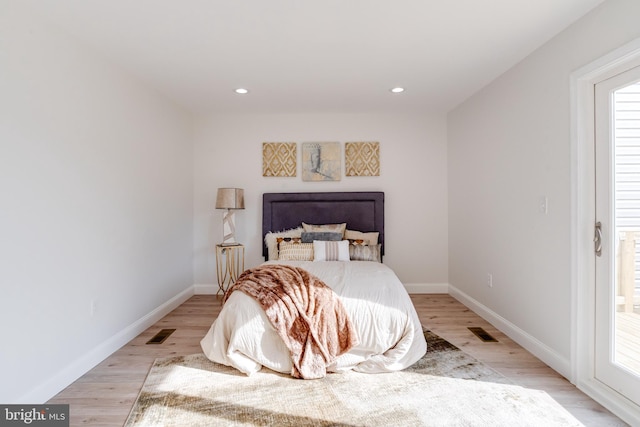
x: 389, y: 332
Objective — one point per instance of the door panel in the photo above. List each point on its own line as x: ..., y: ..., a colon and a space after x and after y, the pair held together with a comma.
x: 617, y: 152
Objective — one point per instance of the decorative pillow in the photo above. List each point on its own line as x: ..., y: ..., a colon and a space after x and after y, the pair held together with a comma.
x: 358, y: 242
x: 332, y: 228
x: 290, y: 251
x: 370, y: 238
x: 359, y: 252
x: 271, y: 240
x: 290, y: 239
x: 327, y: 236
x: 330, y: 251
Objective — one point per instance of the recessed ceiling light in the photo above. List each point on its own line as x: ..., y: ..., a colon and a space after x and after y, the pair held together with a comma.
x: 241, y: 91
x: 397, y: 90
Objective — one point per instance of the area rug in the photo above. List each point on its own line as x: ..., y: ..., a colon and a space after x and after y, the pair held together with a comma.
x: 447, y: 387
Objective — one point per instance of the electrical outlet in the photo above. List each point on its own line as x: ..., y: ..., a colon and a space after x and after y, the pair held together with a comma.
x: 490, y: 280
x: 92, y: 307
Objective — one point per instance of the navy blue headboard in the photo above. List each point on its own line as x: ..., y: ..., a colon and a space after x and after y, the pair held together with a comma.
x: 362, y: 211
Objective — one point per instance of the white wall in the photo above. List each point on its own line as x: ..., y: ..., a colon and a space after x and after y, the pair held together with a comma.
x: 509, y: 145
x: 95, y: 204
x: 228, y: 152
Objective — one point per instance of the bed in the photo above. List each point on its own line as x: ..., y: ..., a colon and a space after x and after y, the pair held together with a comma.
x: 388, y: 330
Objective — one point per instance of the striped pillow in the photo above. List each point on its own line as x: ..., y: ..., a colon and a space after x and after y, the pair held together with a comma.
x: 359, y: 252
x: 331, y: 251
x: 290, y: 251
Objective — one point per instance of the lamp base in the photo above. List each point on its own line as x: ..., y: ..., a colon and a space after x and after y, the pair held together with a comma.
x: 229, y: 229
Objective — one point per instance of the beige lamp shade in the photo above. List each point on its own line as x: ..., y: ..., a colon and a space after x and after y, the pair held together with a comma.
x: 229, y: 199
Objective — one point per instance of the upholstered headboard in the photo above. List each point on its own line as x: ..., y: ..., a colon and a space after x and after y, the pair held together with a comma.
x: 362, y: 211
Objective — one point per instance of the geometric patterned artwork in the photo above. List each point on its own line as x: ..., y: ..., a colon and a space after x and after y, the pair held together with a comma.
x: 321, y: 161
x: 279, y: 159
x: 362, y: 158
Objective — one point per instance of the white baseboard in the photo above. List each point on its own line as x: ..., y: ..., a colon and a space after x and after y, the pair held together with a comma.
x: 427, y: 288
x: 89, y: 360
x: 611, y: 400
x: 530, y: 343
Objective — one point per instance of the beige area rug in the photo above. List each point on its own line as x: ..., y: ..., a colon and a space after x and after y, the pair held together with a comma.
x: 447, y: 387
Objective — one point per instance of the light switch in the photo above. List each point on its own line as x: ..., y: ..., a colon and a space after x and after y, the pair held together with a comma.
x: 543, y: 205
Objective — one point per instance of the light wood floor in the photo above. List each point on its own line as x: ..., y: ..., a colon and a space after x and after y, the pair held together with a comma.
x: 104, y: 396
x: 628, y: 340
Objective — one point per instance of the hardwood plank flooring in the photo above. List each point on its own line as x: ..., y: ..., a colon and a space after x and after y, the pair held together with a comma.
x: 104, y: 396
x: 628, y: 340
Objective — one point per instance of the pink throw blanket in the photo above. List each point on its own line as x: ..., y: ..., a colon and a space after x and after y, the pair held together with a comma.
x: 305, y: 312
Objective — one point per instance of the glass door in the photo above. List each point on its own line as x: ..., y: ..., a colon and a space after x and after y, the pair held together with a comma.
x: 617, y: 234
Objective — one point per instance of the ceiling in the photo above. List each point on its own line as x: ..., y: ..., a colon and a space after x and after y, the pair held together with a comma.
x: 313, y: 55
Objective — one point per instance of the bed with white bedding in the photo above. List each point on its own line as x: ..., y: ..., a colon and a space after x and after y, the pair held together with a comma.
x: 389, y: 333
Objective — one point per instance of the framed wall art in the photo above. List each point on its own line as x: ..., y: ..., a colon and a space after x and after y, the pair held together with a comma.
x: 279, y: 159
x: 321, y: 161
x: 362, y: 158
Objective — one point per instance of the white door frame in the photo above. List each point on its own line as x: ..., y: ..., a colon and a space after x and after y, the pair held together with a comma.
x: 582, y: 227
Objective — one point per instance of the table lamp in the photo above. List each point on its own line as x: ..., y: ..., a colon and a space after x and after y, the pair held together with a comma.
x: 229, y: 199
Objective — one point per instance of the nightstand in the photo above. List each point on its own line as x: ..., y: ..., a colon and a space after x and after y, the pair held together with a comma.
x: 229, y: 265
